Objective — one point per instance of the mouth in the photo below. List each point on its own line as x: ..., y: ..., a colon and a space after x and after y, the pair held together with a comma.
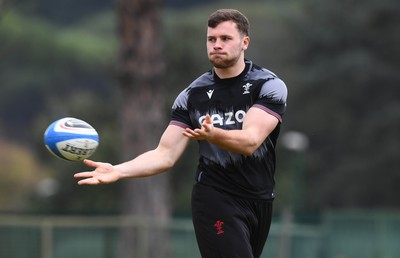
x: 217, y: 56
x: 217, y: 53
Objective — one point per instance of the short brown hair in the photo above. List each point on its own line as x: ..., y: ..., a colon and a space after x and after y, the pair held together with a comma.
x: 237, y: 17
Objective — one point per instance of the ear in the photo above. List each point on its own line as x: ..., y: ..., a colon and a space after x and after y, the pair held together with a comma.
x: 246, y: 42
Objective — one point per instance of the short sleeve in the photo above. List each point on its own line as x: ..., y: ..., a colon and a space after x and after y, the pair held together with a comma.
x: 272, y: 98
x: 180, y: 114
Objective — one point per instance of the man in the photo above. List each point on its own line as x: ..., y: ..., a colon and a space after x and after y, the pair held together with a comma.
x: 234, y: 111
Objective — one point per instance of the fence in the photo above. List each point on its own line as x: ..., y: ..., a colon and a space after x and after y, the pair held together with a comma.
x: 339, y: 235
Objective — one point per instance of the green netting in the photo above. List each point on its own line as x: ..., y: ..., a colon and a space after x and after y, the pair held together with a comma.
x: 361, y: 235
x: 20, y: 242
x: 338, y: 235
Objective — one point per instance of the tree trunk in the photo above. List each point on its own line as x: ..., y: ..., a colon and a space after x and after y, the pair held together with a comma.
x: 143, y: 118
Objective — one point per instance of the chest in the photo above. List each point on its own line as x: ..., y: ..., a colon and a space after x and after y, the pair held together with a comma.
x: 227, y: 104
x: 224, y: 97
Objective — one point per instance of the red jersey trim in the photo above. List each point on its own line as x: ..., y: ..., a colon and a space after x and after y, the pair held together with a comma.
x: 177, y: 123
x: 269, y: 111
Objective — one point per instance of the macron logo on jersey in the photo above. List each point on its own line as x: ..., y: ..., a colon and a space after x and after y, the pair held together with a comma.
x: 210, y: 93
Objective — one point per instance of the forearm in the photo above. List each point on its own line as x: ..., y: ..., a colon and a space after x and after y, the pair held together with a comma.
x: 147, y: 164
x: 153, y: 162
x: 256, y: 128
x: 238, y: 141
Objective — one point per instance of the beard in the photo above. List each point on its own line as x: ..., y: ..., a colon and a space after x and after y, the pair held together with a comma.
x: 223, y: 61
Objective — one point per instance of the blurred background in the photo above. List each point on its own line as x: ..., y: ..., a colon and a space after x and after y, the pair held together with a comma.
x: 119, y: 65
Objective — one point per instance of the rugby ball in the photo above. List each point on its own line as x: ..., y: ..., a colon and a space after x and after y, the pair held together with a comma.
x: 71, y: 139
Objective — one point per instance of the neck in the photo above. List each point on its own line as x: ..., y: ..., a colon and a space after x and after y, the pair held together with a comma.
x: 230, y: 72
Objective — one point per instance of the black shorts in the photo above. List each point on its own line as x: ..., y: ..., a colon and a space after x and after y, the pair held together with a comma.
x: 227, y: 226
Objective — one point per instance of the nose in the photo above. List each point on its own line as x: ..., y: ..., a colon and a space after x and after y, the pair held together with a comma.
x: 217, y: 44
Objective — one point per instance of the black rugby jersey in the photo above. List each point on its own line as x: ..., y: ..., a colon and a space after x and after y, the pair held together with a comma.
x: 227, y: 101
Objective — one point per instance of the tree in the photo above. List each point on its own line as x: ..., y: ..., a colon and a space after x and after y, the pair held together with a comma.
x: 140, y: 72
x: 345, y: 93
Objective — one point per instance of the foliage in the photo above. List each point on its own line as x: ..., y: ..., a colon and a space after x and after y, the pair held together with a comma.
x: 62, y: 13
x: 48, y: 73
x: 42, y: 66
x: 19, y: 174
x: 345, y: 98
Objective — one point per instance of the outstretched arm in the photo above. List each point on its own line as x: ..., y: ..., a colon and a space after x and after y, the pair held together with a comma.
x: 257, y: 125
x: 168, y: 151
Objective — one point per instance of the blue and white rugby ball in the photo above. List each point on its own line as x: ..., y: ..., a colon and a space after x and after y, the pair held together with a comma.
x: 71, y: 139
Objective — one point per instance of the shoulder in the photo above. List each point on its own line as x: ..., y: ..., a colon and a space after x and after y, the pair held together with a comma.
x: 257, y: 72
x: 273, y: 87
x: 203, y: 80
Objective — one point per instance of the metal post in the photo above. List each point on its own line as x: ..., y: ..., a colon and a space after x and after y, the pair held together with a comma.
x: 285, y: 242
x: 47, y: 240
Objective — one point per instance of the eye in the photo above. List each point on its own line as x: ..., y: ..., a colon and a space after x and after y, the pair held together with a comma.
x: 211, y: 39
x: 225, y: 38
